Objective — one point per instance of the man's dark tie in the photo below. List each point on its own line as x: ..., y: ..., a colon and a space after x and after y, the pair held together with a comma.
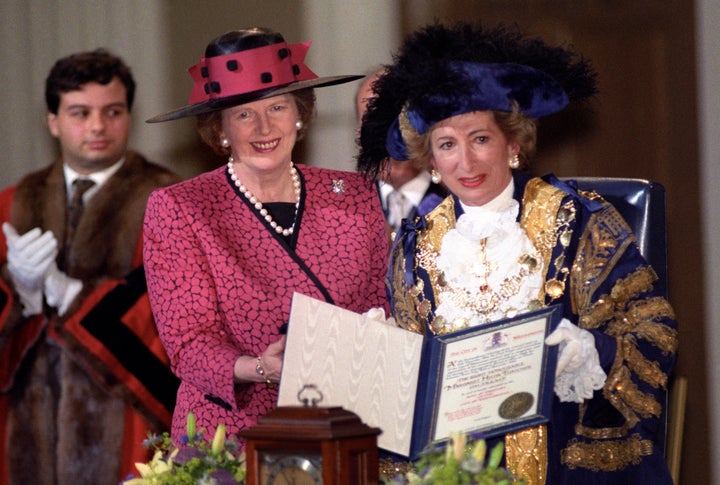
x: 74, y: 211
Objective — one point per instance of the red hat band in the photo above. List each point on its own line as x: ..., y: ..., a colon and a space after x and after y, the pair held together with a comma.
x: 249, y: 70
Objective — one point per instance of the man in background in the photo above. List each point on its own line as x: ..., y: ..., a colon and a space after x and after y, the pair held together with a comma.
x: 83, y: 375
x: 406, y: 190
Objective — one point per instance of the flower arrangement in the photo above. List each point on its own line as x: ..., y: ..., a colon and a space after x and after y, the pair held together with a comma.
x: 196, y: 462
x: 460, y: 462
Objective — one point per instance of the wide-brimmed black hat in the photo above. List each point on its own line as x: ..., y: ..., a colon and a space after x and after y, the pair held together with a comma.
x: 247, y: 65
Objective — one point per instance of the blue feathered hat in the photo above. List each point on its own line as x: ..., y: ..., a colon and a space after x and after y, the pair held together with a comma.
x: 442, y: 71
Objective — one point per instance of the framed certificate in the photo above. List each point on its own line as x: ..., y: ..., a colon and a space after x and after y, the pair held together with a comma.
x: 491, y: 379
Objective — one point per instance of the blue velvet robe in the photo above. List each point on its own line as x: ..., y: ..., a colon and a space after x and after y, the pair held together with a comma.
x: 593, y: 267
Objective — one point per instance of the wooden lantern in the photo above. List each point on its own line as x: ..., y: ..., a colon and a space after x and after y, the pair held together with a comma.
x: 311, y: 445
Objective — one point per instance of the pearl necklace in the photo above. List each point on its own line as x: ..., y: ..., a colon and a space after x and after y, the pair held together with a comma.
x: 258, y: 205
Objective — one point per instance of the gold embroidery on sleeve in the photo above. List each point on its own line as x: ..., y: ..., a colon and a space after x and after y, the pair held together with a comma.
x: 622, y: 314
x: 648, y: 371
x: 641, y: 280
x: 597, y: 314
x: 599, y: 249
x: 647, y: 313
x: 628, y: 399
x: 606, y: 456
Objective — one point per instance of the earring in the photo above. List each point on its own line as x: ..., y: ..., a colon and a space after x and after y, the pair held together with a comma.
x: 435, y: 177
x: 224, y: 143
x: 299, y: 124
x: 514, y: 162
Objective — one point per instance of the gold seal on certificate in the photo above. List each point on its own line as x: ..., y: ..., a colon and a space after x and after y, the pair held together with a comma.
x: 516, y: 405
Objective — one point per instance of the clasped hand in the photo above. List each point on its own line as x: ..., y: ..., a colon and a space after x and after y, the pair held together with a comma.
x: 32, y: 266
x: 30, y: 256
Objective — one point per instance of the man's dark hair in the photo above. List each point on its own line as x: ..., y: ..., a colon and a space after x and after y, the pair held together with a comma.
x: 71, y: 72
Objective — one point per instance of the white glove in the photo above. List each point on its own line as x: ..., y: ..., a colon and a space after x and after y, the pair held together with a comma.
x: 60, y: 289
x: 31, y: 300
x: 578, y: 371
x: 30, y: 255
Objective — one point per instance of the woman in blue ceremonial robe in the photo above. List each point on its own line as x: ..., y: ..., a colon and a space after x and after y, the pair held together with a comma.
x: 465, y: 100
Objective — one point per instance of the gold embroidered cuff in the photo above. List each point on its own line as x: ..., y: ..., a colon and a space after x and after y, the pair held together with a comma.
x: 606, y: 456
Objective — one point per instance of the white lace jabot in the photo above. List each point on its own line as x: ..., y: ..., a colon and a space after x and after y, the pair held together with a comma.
x: 493, y: 271
x: 491, y: 268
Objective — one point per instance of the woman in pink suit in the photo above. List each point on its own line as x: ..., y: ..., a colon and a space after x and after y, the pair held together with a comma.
x: 225, y: 251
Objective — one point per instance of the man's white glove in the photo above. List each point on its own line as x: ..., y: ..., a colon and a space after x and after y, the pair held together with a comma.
x: 31, y: 300
x: 578, y: 371
x: 60, y: 289
x: 29, y: 258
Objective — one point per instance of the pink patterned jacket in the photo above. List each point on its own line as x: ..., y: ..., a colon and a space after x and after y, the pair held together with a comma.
x: 221, y: 281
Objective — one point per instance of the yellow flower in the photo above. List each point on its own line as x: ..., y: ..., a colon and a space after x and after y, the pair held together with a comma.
x: 219, y: 439
x: 202, y: 459
x: 456, y: 446
x: 479, y: 450
x: 156, y: 466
